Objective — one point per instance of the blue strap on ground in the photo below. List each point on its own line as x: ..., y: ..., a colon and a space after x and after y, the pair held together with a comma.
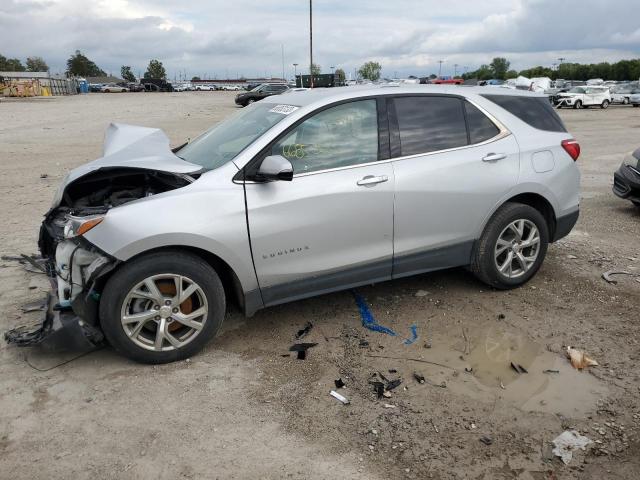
x: 367, y: 317
x: 414, y: 335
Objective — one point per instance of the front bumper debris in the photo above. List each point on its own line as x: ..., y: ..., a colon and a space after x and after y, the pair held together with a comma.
x: 60, y: 330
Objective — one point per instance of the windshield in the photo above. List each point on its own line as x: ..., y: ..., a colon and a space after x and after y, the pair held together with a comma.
x: 256, y: 88
x: 577, y: 90
x: 223, y: 142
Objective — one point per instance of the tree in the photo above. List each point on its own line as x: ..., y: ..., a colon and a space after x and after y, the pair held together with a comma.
x: 340, y: 76
x: 127, y: 74
x: 483, y: 73
x: 79, y: 65
x: 195, y: 79
x: 370, y: 71
x: 37, y: 64
x: 315, y: 69
x: 10, y: 65
x: 499, y: 66
x: 512, y: 74
x: 155, y: 70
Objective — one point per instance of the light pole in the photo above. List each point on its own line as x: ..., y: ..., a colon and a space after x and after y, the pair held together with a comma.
x: 295, y: 74
x: 310, y: 43
x: 455, y: 70
x: 440, y: 68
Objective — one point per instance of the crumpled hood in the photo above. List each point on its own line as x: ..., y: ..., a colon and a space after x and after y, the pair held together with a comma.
x: 133, y: 147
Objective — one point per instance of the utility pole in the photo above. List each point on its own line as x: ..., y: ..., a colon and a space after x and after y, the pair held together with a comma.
x: 440, y: 68
x: 282, y: 47
x: 311, y: 43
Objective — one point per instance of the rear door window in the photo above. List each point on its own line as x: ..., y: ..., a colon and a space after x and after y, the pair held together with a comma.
x: 430, y: 123
x: 535, y: 111
x: 480, y: 127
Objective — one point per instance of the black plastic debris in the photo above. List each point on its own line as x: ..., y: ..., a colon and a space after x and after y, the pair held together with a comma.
x: 501, y: 316
x: 393, y: 370
x: 486, y: 440
x: 518, y: 368
x: 301, y: 348
x: 393, y: 384
x: 339, y: 383
x: 363, y: 344
x: 551, y: 371
x: 419, y: 378
x: 468, y: 369
x: 304, y: 331
x: 378, y: 388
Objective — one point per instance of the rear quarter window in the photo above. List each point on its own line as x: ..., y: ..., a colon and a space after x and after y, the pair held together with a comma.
x: 534, y: 111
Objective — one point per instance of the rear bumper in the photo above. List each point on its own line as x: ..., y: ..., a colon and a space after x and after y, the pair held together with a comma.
x: 565, y: 224
x: 626, y: 183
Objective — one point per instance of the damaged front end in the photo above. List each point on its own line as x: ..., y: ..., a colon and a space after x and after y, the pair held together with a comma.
x: 77, y: 269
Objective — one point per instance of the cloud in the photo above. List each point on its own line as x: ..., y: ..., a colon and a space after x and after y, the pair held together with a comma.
x: 245, y: 38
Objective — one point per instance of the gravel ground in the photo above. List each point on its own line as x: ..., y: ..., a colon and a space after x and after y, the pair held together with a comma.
x: 241, y: 409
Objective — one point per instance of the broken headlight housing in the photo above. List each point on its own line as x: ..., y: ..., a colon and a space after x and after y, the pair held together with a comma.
x: 78, y: 226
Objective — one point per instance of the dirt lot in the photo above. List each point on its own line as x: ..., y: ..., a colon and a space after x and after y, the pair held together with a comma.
x: 242, y: 410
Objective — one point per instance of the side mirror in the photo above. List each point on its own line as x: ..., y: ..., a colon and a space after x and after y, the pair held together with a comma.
x: 274, y: 167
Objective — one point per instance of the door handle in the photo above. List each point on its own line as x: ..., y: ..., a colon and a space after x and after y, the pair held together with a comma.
x: 494, y: 157
x: 371, y: 180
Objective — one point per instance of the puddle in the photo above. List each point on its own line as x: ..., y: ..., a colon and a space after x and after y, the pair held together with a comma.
x: 569, y: 392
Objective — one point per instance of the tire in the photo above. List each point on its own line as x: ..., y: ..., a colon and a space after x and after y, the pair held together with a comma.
x: 625, y: 101
x: 250, y: 101
x: 637, y: 204
x: 485, y: 259
x: 178, y: 340
x: 636, y: 104
x: 577, y: 105
x: 605, y: 104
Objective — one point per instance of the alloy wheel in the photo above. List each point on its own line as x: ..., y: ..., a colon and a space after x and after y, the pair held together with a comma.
x: 517, y: 248
x: 164, y: 312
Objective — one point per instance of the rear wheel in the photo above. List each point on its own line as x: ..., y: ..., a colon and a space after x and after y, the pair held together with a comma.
x: 512, y: 246
x: 162, y: 307
x: 605, y: 104
x: 577, y: 105
x: 625, y: 101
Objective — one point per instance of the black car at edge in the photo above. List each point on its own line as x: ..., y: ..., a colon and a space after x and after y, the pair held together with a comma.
x: 626, y: 180
x: 260, y: 92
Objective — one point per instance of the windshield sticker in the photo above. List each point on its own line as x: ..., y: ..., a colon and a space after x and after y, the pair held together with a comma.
x: 284, y: 109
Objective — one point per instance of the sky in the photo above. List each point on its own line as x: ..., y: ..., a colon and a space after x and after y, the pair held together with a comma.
x: 231, y: 38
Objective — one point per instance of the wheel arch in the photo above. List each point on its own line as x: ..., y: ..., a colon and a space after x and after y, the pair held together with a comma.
x: 249, y: 302
x: 532, y: 198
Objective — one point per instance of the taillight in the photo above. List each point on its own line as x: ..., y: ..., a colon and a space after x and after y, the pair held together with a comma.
x: 572, y: 148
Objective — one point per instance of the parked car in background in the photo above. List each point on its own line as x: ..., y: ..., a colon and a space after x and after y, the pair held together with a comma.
x: 634, y: 98
x: 113, y: 87
x: 182, y: 87
x: 205, y: 87
x: 620, y: 93
x: 626, y: 180
x: 337, y: 187
x: 135, y: 87
x: 586, y: 96
x: 261, y: 91
x: 95, y: 87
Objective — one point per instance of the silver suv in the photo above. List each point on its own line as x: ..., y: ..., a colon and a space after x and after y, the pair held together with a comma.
x: 298, y: 195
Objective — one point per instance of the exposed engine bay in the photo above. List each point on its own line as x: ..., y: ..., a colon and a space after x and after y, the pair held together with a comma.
x: 74, y: 262
x: 138, y: 162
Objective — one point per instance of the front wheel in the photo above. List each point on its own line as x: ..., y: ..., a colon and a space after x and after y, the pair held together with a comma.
x: 605, y: 104
x: 625, y: 101
x: 577, y: 105
x: 512, y: 246
x: 162, y: 307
